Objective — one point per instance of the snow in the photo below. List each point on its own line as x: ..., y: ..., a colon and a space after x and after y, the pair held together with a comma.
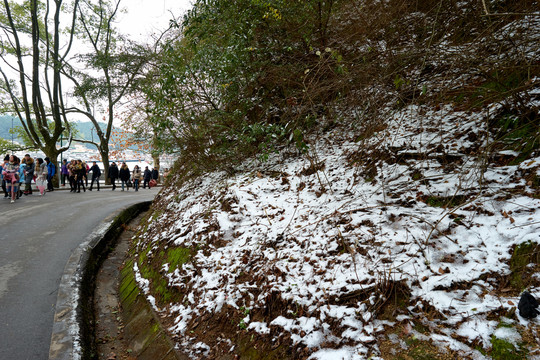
x: 259, y: 327
x: 346, y: 353
x: 509, y: 334
x: 313, y: 238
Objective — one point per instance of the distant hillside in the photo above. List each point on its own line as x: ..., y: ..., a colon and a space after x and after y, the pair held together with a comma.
x: 5, y: 126
x: 86, y: 130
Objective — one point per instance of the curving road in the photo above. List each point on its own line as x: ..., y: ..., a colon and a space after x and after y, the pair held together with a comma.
x: 37, y: 237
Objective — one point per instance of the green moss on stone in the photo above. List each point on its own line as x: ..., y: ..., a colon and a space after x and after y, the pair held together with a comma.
x: 177, y: 257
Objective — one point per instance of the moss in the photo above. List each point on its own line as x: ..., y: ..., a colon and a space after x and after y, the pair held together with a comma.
x: 143, y: 255
x: 446, y: 201
x: 504, y: 324
x: 150, y: 268
x: 523, y: 255
x: 481, y: 350
x: 504, y: 350
x: 420, y: 328
x: 417, y: 175
x: 128, y: 286
x: 155, y: 215
x: 420, y: 353
x: 177, y: 257
x: 416, y: 349
x: 159, y: 286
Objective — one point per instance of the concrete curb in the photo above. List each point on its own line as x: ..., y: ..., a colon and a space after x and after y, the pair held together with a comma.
x: 103, y: 187
x: 72, y: 334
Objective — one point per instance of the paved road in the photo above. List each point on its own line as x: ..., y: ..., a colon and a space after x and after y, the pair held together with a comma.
x: 37, y: 236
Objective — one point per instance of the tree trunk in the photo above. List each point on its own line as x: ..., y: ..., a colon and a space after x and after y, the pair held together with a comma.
x: 105, y: 159
x: 104, y: 152
x: 52, y: 153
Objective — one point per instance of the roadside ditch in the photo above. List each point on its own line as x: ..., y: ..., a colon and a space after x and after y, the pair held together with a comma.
x: 126, y: 326
x: 100, y: 312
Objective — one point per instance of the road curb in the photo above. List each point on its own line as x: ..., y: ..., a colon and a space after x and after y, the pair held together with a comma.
x: 72, y: 333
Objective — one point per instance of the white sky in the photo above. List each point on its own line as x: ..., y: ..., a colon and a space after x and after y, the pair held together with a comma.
x: 148, y: 16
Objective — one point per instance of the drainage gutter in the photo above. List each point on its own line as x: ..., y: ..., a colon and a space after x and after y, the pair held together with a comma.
x: 73, y: 334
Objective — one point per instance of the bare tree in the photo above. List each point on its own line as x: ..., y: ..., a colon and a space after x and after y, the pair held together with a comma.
x: 111, y: 67
x: 35, y: 48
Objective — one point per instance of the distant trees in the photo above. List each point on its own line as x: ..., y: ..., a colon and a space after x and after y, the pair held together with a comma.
x: 6, y: 146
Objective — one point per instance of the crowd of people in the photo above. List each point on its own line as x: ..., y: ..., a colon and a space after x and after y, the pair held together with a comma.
x: 18, y: 174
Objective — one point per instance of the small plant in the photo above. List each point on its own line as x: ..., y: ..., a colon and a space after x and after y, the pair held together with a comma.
x: 242, y: 325
x: 245, y: 312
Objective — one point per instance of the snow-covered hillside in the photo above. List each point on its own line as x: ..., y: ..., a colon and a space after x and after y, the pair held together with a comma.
x: 362, y: 249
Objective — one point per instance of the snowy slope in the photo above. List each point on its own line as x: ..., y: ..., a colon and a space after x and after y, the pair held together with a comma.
x: 418, y: 213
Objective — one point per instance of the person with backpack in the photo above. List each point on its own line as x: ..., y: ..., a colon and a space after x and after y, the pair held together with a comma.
x: 51, y: 170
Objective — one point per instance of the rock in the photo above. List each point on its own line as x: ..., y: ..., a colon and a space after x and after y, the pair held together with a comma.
x: 528, y: 306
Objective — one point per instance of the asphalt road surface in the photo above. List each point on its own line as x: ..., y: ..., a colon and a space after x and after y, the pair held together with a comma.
x: 37, y: 237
